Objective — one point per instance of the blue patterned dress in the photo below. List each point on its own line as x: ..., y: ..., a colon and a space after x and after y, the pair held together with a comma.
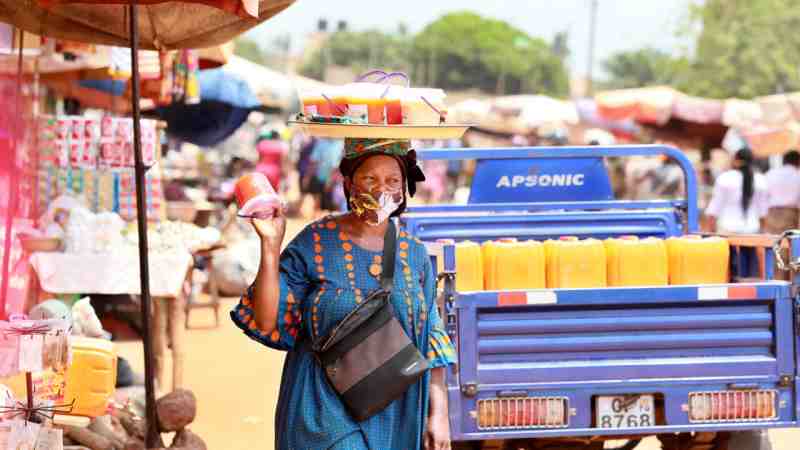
x: 323, y: 276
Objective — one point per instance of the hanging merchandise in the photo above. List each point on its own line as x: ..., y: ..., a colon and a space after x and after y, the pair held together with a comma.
x: 186, y: 86
x: 91, y: 159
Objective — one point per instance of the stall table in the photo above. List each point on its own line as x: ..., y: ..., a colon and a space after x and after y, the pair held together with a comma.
x: 118, y: 274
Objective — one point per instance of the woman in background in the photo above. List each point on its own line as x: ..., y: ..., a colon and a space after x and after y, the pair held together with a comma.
x: 740, y: 198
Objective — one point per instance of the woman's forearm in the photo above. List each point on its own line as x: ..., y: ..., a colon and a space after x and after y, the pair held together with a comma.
x: 438, y: 393
x: 266, y: 290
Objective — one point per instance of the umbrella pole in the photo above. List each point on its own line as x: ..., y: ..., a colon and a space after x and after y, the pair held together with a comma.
x: 152, y: 437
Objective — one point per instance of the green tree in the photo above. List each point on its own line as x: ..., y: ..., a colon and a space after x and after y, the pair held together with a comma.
x: 250, y: 50
x: 745, y: 48
x: 644, y: 67
x: 464, y: 50
x: 362, y: 50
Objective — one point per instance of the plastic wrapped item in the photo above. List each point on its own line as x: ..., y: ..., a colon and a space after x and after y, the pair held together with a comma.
x: 423, y: 106
x: 256, y: 197
x: 637, y: 262
x: 85, y: 320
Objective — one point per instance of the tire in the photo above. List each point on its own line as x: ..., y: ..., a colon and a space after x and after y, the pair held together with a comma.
x: 696, y: 441
x: 750, y: 440
x: 626, y: 445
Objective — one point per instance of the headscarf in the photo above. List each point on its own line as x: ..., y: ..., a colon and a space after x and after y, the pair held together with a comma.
x: 358, y: 150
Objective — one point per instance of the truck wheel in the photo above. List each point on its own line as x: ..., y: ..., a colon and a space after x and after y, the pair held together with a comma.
x: 621, y: 445
x: 696, y: 441
x: 750, y: 440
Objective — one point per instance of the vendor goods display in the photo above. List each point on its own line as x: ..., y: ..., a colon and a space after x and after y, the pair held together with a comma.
x: 92, y: 158
x: 365, y: 109
x: 570, y: 262
x: 170, y: 236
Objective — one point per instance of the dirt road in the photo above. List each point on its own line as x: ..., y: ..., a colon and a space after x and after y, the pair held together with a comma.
x: 236, y: 381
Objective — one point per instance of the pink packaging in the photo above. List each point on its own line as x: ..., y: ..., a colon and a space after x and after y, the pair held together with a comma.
x: 107, y: 126
x: 92, y: 129
x: 89, y: 157
x: 63, y: 127
x: 62, y: 153
x: 78, y: 128
x: 75, y: 151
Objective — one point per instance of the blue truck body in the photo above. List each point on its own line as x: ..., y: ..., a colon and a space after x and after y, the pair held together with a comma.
x: 575, y: 345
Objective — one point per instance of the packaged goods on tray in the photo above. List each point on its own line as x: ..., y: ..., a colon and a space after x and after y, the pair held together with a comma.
x: 378, y: 103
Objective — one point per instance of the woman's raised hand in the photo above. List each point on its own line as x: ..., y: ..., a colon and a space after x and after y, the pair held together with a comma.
x: 271, y: 230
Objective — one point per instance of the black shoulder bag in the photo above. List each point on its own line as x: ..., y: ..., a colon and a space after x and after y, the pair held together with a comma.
x: 368, y: 357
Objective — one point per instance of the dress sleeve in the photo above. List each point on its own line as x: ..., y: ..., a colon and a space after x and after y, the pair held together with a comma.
x: 441, y: 351
x: 295, y: 285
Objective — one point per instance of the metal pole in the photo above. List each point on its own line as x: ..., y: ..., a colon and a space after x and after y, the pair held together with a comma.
x: 592, y: 35
x: 152, y: 437
x: 11, y: 208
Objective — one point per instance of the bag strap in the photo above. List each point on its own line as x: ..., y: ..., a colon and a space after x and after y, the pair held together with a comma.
x: 389, y: 249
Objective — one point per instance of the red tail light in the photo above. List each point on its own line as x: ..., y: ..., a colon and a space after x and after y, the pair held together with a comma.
x: 733, y: 406
x: 522, y: 412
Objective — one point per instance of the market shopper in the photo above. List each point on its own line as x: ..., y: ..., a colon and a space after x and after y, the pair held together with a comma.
x: 784, y: 195
x: 321, y: 276
x: 740, y: 200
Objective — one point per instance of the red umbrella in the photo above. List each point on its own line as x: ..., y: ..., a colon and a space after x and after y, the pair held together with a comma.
x: 163, y: 25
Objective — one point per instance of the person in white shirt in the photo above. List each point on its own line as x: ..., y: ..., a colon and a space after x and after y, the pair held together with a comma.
x: 740, y: 200
x: 784, y: 195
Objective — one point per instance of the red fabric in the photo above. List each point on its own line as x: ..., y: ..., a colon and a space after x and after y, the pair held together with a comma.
x: 242, y: 8
x: 270, y: 154
x: 16, y: 200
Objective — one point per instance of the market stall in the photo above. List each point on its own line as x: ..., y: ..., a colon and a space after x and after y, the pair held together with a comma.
x: 115, y: 23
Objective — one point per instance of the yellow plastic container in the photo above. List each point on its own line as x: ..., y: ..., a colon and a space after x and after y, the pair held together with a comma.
x: 489, y: 252
x: 92, y: 376
x: 637, y: 262
x: 697, y: 260
x: 469, y: 267
x: 515, y: 265
x: 574, y: 263
x: 90, y: 380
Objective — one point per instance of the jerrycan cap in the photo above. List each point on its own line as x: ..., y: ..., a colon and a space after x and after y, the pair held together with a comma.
x: 568, y: 238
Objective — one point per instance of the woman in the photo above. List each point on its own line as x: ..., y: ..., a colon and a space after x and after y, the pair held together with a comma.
x: 739, y: 201
x: 271, y: 150
x: 322, y: 275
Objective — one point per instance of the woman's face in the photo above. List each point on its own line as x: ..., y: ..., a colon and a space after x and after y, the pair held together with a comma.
x: 379, y: 173
x: 376, y: 189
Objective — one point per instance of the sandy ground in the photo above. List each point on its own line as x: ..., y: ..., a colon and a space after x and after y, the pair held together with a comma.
x: 236, y: 381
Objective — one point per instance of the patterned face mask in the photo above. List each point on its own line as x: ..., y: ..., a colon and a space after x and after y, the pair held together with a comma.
x: 374, y: 207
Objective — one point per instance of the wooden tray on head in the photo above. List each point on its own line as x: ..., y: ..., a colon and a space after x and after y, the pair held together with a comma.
x: 370, y: 131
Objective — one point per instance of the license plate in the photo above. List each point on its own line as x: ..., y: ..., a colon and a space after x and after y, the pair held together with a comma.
x: 626, y: 412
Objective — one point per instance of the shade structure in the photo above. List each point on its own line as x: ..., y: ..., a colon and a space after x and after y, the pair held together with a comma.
x: 162, y: 25
x: 652, y: 105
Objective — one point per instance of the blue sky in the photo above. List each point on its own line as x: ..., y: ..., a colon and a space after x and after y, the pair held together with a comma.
x: 622, y: 24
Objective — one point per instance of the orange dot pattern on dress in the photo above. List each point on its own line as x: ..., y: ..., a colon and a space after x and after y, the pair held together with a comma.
x: 402, y: 246
x: 320, y: 268
x: 349, y: 267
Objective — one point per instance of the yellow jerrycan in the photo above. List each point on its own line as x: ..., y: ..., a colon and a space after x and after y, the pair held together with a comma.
x: 697, y: 260
x: 575, y: 263
x: 469, y: 267
x: 489, y: 253
x: 518, y: 265
x: 637, y: 262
